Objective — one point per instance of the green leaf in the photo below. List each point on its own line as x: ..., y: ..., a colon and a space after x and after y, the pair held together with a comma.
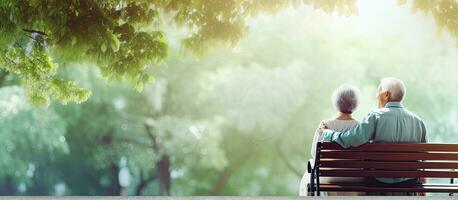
x: 115, y: 43
x: 148, y: 79
x: 73, y: 40
x: 103, y: 47
x: 139, y: 86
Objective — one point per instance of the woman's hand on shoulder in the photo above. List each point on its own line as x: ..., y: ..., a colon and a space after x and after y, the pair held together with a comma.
x: 321, y: 128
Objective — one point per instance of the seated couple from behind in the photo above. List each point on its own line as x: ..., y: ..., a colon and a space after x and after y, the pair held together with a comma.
x: 390, y: 123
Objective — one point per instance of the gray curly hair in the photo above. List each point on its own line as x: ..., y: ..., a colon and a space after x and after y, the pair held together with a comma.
x: 346, y: 98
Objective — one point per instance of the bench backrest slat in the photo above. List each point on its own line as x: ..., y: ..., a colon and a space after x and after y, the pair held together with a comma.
x: 391, y: 174
x: 351, y: 164
x: 395, y: 147
x: 389, y: 156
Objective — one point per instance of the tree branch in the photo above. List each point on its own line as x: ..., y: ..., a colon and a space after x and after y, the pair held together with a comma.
x: 132, y: 141
x: 152, y: 137
x: 286, y: 161
x: 3, y: 75
x: 143, y: 183
x: 9, y: 60
x: 34, y: 31
x: 227, y: 172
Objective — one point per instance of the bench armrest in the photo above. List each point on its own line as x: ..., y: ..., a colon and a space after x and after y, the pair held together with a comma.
x: 310, y: 165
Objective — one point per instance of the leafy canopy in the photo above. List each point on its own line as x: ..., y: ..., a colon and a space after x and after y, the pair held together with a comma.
x: 125, y: 37
x: 38, y: 37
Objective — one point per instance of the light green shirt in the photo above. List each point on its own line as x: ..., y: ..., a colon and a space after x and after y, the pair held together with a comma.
x: 391, y: 124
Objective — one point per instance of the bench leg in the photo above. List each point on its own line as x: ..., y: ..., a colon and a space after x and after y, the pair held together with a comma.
x: 317, y: 186
x: 309, y: 190
x: 451, y: 181
x: 311, y: 185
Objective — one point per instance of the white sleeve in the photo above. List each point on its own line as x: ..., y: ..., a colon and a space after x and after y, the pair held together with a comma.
x: 316, y: 139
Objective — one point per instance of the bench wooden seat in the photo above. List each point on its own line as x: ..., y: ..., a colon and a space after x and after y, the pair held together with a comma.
x: 389, y: 160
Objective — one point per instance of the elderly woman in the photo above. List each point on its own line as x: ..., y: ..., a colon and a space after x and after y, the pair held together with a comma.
x: 345, y: 99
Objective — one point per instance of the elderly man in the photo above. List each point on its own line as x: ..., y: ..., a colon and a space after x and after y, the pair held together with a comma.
x: 390, y: 123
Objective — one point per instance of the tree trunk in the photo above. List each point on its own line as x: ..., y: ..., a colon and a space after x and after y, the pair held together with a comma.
x: 162, y: 165
x: 115, y: 188
x: 8, y: 188
x: 163, y: 171
x: 219, y: 185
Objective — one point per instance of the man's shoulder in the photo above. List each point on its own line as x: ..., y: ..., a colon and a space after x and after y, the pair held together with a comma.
x: 412, y: 114
x: 379, y: 112
x: 386, y: 112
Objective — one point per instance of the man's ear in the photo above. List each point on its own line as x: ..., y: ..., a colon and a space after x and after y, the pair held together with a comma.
x: 388, y: 95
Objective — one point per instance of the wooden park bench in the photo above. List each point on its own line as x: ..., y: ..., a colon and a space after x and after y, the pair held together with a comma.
x: 393, y: 160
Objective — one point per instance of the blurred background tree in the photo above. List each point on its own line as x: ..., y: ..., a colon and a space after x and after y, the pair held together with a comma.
x: 236, y: 121
x: 32, y: 140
